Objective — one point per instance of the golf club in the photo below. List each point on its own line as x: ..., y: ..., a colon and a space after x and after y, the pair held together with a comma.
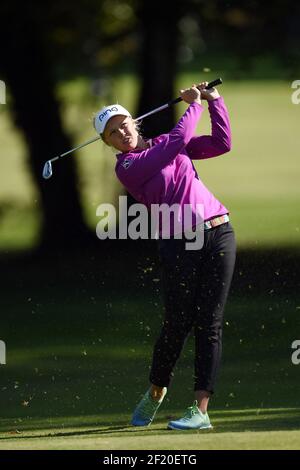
x: 48, y: 171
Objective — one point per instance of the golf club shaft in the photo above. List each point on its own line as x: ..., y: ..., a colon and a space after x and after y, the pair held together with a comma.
x: 216, y: 82
x: 75, y: 148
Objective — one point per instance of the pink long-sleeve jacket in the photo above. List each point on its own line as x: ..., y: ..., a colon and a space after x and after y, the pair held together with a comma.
x: 164, y: 173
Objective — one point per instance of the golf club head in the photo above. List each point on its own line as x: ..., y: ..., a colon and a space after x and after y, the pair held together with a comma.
x: 47, y: 170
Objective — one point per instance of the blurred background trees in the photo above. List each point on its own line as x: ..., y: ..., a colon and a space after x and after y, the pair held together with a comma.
x: 44, y: 46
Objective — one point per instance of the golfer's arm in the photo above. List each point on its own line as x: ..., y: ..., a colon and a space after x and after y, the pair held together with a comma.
x: 145, y: 164
x: 219, y: 142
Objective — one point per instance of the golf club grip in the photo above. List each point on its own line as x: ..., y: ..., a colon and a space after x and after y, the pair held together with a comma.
x: 216, y: 82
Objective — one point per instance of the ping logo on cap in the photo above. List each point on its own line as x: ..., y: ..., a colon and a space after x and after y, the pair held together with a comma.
x: 104, y: 115
x: 109, y: 110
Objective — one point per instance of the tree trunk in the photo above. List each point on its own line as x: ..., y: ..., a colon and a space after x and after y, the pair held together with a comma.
x: 36, y: 110
x: 159, y: 31
x: 158, y: 27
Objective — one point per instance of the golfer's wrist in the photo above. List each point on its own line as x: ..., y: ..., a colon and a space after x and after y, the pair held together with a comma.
x: 213, y: 97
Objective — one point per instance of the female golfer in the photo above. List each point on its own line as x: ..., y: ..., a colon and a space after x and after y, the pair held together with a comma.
x: 195, y: 282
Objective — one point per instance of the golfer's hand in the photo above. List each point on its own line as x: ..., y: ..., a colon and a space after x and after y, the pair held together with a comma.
x: 210, y: 94
x: 191, y: 95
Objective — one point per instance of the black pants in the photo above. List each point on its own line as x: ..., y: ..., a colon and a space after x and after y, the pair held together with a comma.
x: 195, y: 289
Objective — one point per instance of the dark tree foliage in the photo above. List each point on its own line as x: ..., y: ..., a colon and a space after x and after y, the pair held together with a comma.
x: 42, y: 43
x: 158, y: 28
x: 27, y: 71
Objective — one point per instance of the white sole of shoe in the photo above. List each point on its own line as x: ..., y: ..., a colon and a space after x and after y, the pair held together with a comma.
x: 189, y: 429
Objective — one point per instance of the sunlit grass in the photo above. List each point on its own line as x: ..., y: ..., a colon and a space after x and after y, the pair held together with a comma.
x: 237, y: 429
x: 78, y: 357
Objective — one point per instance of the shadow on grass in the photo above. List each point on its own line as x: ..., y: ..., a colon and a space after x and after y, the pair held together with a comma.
x: 234, y: 421
x: 73, y: 342
x: 119, y: 430
x: 275, y: 420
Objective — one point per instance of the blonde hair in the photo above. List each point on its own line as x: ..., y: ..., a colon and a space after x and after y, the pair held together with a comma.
x: 137, y: 126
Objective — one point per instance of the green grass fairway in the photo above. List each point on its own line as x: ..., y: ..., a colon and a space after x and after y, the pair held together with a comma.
x: 238, y: 430
x: 79, y: 333
x: 78, y: 357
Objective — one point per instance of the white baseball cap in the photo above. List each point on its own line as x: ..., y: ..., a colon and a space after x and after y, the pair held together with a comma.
x: 103, y: 116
